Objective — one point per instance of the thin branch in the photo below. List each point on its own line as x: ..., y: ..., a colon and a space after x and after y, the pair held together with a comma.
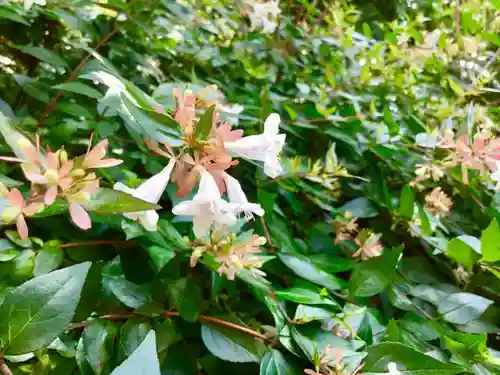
x: 457, y: 19
x: 266, y: 233
x: 73, y: 75
x: 4, y: 368
x: 170, y: 314
x: 95, y: 243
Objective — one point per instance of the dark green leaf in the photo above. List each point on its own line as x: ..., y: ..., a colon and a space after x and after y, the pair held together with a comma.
x: 79, y: 88
x: 98, y: 345
x: 303, y: 267
x: 274, y: 363
x: 132, y: 334
x: 128, y: 293
x: 360, y: 207
x: 48, y: 259
x: 35, y: 313
x: 45, y: 55
x: 409, y: 361
x: 231, y: 345
x: 186, y: 297
x: 374, y: 275
x: 7, y: 250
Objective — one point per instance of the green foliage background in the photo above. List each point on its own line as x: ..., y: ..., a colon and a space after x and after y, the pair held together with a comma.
x: 362, y: 76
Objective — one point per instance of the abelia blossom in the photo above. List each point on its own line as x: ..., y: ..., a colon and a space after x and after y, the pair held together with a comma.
x: 150, y: 191
x: 369, y: 245
x: 263, y: 15
x: 438, y: 203
x: 345, y: 227
x: 18, y: 209
x: 95, y: 157
x: 207, y: 207
x: 238, y: 197
x: 78, y: 196
x: 263, y: 147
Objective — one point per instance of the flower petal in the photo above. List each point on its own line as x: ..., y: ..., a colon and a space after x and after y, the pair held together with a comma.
x: 96, y: 153
x: 15, y: 198
x: 79, y: 216
x: 271, y: 125
x: 50, y: 195
x: 104, y: 163
x: 152, y: 189
x: 22, y: 227
x: 202, y: 225
x: 149, y: 220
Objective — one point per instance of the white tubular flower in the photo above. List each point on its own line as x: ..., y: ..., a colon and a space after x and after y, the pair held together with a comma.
x: 263, y: 147
x: 150, y: 191
x: 237, y: 196
x: 207, y: 207
x: 29, y: 3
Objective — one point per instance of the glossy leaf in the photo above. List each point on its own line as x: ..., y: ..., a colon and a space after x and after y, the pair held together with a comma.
x: 143, y: 361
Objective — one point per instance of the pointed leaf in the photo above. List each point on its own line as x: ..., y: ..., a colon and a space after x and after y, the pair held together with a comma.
x: 143, y: 361
x: 36, y: 312
x: 490, y: 242
x: 205, y: 123
x: 109, y: 201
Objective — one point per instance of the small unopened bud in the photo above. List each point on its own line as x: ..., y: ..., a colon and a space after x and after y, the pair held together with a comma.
x: 260, y: 241
x: 80, y: 197
x: 3, y: 189
x: 10, y: 214
x: 52, y: 176
x: 63, y: 155
x: 78, y: 173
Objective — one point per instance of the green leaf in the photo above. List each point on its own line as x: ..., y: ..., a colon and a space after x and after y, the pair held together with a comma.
x: 160, y: 255
x: 490, y: 242
x: 360, y: 207
x: 365, y: 330
x: 130, y: 294
x: 109, y: 201
x: 45, y: 55
x: 274, y: 363
x: 304, y: 296
x: 205, y: 124
x: 408, y: 360
x: 132, y: 334
x: 406, y: 202
x: 98, y: 341
x: 13, y: 16
x: 143, y: 361
x: 48, y: 259
x: 303, y: 267
x: 79, y: 88
x: 374, y: 275
x: 35, y: 313
x: 305, y: 314
x: 425, y: 222
x: 461, y: 308
x: 186, y: 297
x: 7, y: 250
x: 462, y: 253
x: 230, y: 345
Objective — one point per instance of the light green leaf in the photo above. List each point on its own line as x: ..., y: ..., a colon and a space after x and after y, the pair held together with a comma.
x: 490, y: 242
x: 303, y: 267
x: 406, y: 202
x: 461, y: 308
x: 408, y: 360
x: 360, y: 207
x: 143, y: 361
x: 305, y: 314
x: 36, y: 312
x: 7, y: 250
x: 109, y: 201
x: 47, y: 260
x: 205, y: 123
x: 462, y: 253
x: 304, y: 296
x: 79, y: 88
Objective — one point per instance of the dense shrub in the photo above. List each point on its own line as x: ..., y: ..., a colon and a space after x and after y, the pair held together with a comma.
x: 221, y: 187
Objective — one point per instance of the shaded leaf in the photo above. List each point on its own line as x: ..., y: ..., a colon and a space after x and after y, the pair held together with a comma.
x: 143, y: 361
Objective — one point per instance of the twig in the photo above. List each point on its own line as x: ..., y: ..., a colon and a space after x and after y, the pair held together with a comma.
x: 72, y: 76
x: 95, y: 243
x: 266, y: 233
x: 170, y: 314
x: 4, y: 368
x: 457, y: 19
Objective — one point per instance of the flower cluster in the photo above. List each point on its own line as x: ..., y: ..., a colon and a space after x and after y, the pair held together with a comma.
x: 234, y: 253
x: 346, y: 229
x: 438, y: 203
x: 263, y: 15
x: 329, y: 363
x: 207, y: 152
x: 52, y: 175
